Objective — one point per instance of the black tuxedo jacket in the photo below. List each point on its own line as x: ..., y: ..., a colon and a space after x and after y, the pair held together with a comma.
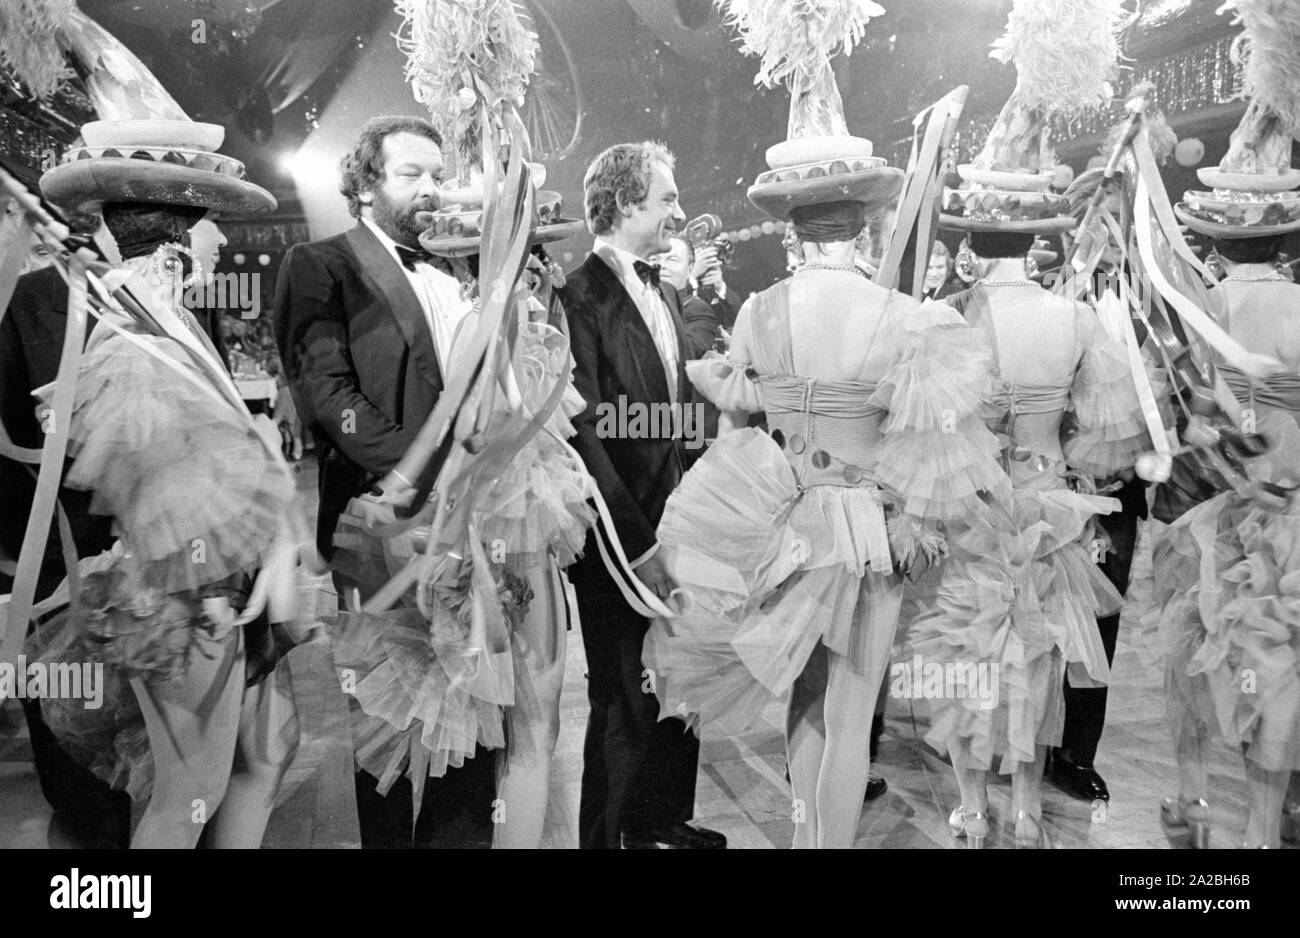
x: 31, y: 344
x: 615, y: 357
x: 360, y: 363
x: 724, y: 308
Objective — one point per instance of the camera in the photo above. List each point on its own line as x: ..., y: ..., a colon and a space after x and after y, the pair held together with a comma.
x: 702, y: 232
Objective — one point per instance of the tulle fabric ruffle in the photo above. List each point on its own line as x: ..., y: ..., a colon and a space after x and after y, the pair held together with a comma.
x: 768, y: 577
x: 1111, y: 432
x: 1014, y: 607
x: 727, y: 385
x: 189, y: 483
x: 937, y: 456
x: 539, y: 502
x: 424, y: 702
x: 1227, y: 591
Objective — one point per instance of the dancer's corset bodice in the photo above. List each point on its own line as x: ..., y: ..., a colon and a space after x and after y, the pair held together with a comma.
x: 833, y: 416
x: 1039, y: 342
x: 1275, y: 392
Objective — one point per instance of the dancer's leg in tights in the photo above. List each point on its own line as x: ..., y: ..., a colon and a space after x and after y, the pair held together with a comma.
x: 192, y: 723
x: 971, y: 782
x: 533, y: 723
x: 267, y: 743
x: 1189, y: 748
x: 1265, y: 792
x: 805, y: 742
x: 1027, y: 786
x: 846, y: 760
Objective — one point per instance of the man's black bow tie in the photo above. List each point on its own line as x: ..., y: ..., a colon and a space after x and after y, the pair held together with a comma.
x: 649, y: 273
x: 412, y: 256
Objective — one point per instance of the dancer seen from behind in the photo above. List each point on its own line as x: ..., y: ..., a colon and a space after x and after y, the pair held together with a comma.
x: 793, y: 545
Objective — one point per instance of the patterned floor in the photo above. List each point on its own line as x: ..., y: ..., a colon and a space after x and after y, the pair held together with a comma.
x: 741, y: 789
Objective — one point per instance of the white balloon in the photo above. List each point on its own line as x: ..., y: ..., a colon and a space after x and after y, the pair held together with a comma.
x: 743, y: 234
x: 1189, y: 152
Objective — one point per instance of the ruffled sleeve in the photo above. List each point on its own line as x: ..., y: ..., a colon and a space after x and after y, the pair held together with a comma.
x: 937, y: 456
x: 186, y: 477
x: 1110, y: 431
x: 728, y: 380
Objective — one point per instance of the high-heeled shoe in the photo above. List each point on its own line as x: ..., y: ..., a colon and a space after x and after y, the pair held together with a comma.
x: 1031, y: 839
x: 1193, y: 815
x: 1291, y: 822
x: 972, y: 826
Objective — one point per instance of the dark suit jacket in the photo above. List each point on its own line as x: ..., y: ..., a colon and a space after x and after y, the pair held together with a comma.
x: 360, y: 363
x: 724, y: 308
x: 615, y: 356
x: 31, y: 343
x: 701, y: 323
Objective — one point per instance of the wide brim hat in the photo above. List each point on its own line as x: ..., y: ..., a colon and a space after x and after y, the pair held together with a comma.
x: 1214, y: 224
x: 167, y: 162
x: 818, y: 170
x: 1251, y: 190
x: 1005, y: 201
x: 458, y: 233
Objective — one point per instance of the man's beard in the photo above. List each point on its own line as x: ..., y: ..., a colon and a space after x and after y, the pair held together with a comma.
x: 399, y: 222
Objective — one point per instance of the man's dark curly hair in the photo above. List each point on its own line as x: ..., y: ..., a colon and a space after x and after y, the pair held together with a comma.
x: 364, y: 166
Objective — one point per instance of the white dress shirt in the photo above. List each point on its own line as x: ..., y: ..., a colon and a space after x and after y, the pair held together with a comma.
x: 439, y: 295
x: 650, y: 303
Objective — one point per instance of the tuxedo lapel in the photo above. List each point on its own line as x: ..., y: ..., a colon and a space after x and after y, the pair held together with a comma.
x: 673, y: 301
x: 638, y: 345
x: 386, y: 280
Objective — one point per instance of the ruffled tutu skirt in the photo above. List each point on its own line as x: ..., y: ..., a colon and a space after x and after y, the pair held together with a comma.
x: 1227, y: 605
x: 768, y: 576
x: 428, y: 692
x: 191, y: 484
x: 988, y: 636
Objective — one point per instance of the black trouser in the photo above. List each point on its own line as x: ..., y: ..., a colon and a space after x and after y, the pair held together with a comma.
x: 1085, y: 707
x: 638, y: 773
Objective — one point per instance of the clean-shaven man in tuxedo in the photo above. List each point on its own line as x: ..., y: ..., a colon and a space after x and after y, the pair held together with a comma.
x: 638, y: 777
x: 364, y: 321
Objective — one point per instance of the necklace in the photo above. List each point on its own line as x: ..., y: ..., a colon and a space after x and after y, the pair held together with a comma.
x: 1263, y: 279
x: 847, y: 268
x: 1008, y: 283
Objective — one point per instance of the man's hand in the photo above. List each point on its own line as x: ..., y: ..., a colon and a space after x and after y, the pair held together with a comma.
x: 706, y: 263
x: 654, y: 574
x: 713, y: 278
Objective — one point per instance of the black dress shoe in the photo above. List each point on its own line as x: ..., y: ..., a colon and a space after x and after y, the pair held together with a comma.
x: 876, y: 786
x: 674, y: 837
x: 1077, y: 781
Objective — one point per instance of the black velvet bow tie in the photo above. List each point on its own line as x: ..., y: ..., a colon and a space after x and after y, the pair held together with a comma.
x: 649, y: 273
x: 410, y: 257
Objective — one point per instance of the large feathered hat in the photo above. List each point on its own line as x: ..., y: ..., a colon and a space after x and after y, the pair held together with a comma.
x: 819, y: 161
x: 144, y: 148
x: 1065, y: 53
x: 1251, y: 187
x: 466, y: 60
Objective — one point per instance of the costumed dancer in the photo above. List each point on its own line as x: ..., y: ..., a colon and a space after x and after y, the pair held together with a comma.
x: 201, y: 501
x: 1225, y: 572
x: 1016, y: 603
x: 480, y: 660
x: 790, y: 545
